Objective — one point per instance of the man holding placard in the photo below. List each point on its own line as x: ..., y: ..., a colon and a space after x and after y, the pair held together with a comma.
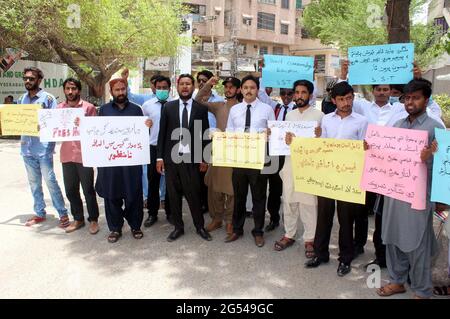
x: 296, y: 204
x: 408, y: 233
x: 348, y: 125
x: 249, y: 116
x: 74, y: 173
x: 121, y: 186
x: 38, y: 157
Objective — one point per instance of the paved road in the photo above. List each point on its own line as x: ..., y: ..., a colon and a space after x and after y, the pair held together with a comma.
x: 44, y: 262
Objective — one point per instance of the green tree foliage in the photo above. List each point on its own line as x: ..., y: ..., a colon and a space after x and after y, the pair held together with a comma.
x: 97, y: 42
x: 347, y: 23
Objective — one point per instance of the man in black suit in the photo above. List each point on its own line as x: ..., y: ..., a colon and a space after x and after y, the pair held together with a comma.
x: 180, y: 154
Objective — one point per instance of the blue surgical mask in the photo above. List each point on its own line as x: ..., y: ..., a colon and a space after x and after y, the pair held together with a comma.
x: 394, y: 99
x: 162, y: 95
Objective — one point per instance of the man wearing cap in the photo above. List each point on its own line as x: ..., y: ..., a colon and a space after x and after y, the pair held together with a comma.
x: 218, y: 179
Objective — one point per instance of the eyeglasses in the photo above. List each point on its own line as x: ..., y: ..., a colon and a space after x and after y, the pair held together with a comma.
x: 290, y: 93
x: 29, y: 78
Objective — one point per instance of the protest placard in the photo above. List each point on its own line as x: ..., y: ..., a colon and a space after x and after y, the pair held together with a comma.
x: 114, y: 141
x: 278, y: 129
x: 57, y: 125
x: 328, y: 167
x: 393, y: 166
x: 281, y: 71
x: 440, y: 188
x: 20, y: 119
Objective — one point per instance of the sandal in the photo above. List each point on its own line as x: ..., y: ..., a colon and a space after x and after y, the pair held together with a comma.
x: 114, y: 236
x: 284, y: 243
x: 441, y: 291
x: 35, y: 220
x: 309, y: 250
x: 390, y: 289
x: 137, y: 234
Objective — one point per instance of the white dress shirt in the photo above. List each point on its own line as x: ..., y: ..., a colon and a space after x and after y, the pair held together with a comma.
x: 352, y: 127
x: 184, y: 149
x: 290, y: 107
x: 260, y: 113
x: 152, y: 109
x: 375, y: 114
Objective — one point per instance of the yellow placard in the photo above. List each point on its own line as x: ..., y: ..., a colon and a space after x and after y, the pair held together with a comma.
x: 19, y: 119
x: 241, y: 150
x: 329, y: 168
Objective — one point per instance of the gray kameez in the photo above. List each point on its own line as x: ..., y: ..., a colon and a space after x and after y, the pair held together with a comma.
x: 408, y: 233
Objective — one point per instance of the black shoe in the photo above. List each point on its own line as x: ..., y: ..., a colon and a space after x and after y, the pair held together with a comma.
x: 343, y: 269
x: 358, y: 251
x: 150, y: 221
x: 271, y: 226
x: 315, y: 262
x: 175, y: 234
x: 204, y: 234
x: 379, y: 263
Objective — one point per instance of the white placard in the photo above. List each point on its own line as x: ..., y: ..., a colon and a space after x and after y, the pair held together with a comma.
x: 58, y: 125
x: 108, y: 141
x: 277, y: 144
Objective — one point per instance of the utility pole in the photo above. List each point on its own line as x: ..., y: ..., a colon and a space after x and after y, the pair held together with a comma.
x: 234, y: 38
x: 211, y: 20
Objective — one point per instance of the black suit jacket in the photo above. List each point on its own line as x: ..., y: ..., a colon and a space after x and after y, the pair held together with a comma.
x: 170, y: 121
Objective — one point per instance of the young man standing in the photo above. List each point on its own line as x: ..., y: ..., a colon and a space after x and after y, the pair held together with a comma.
x: 38, y: 157
x: 74, y: 173
x: 341, y: 124
x: 249, y: 116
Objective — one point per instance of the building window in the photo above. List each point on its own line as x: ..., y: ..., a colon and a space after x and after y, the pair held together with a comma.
x: 242, y: 49
x: 198, y: 11
x: 267, y: 1
x: 266, y: 21
x: 284, y: 28
x: 247, y: 21
x: 263, y: 50
x: 298, y: 4
x: 278, y: 50
x: 305, y: 34
x: 227, y: 18
x: 441, y: 24
x: 285, y: 4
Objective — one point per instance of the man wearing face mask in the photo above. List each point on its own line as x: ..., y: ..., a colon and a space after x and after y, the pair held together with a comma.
x: 218, y: 179
x: 152, y: 109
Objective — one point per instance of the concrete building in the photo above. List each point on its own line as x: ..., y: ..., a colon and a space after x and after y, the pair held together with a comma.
x: 233, y: 35
x: 439, y: 15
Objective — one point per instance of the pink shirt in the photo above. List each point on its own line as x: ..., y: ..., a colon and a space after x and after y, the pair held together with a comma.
x: 71, y: 151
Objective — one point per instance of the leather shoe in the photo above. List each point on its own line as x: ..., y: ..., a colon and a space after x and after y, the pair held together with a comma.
x: 232, y: 237
x: 343, y: 269
x: 215, y: 224
x: 74, y: 226
x: 271, y: 226
x: 150, y: 221
x: 379, y: 263
x: 204, y: 234
x: 315, y: 262
x: 93, y: 227
x: 175, y: 234
x: 259, y: 240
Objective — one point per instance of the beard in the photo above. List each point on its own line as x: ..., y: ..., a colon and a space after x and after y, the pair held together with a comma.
x: 72, y: 97
x: 186, y: 96
x: 120, y: 99
x: 301, y: 103
x: 31, y: 87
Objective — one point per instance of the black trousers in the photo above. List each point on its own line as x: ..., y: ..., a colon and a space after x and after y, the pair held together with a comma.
x: 115, y: 213
x: 362, y: 220
x: 154, y: 178
x: 380, y: 248
x: 203, y: 193
x: 75, y: 174
x: 242, y: 178
x: 347, y: 212
x: 275, y: 193
x: 184, y: 179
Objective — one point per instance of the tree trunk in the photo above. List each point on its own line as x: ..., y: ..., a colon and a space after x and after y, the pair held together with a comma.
x: 398, y: 21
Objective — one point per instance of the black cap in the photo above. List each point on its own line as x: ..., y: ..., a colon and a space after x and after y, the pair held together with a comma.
x: 235, y: 81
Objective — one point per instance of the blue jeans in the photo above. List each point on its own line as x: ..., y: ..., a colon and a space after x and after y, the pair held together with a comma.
x: 144, y: 181
x: 38, y: 167
x: 162, y: 187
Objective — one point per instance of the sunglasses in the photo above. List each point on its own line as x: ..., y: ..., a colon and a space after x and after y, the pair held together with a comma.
x: 290, y: 93
x: 29, y: 78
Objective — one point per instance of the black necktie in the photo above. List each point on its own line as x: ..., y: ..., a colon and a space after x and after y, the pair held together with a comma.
x: 162, y: 105
x: 285, y: 112
x: 248, y: 119
x: 184, y: 120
